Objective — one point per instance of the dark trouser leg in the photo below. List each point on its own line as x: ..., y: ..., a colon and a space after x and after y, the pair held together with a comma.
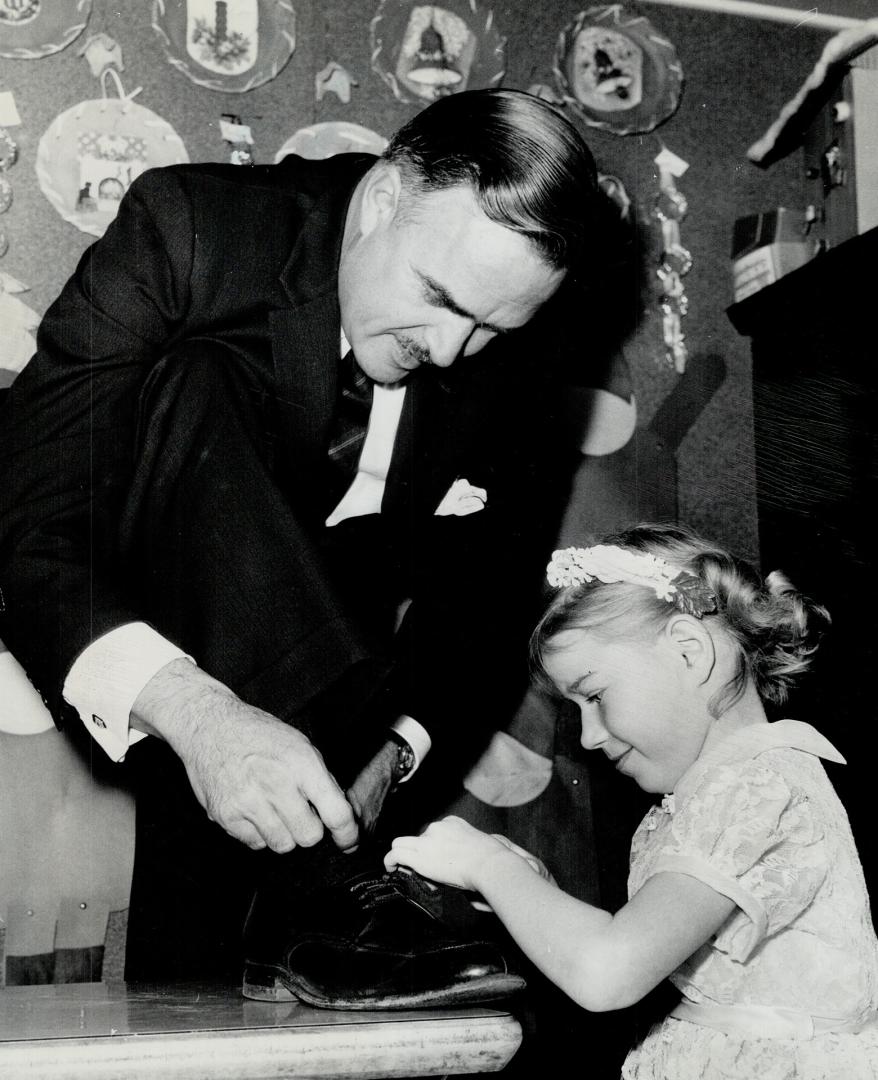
x: 226, y: 569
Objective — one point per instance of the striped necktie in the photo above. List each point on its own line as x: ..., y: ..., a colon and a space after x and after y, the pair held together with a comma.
x: 352, y: 419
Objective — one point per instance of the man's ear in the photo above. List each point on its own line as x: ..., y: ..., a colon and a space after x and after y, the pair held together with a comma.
x: 692, y: 644
x: 382, y: 189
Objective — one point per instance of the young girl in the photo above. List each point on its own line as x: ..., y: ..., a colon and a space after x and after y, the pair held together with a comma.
x: 745, y: 886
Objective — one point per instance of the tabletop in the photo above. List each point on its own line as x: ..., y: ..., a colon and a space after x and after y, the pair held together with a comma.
x: 100, y: 1031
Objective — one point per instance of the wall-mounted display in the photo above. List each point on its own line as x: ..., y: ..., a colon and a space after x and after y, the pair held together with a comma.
x: 30, y: 29
x: 227, y: 45
x: 332, y: 137
x: 617, y: 71
x: 427, y: 51
x: 90, y: 154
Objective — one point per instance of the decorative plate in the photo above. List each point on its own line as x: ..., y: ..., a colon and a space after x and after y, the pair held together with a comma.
x: 227, y: 45
x: 427, y: 51
x: 617, y: 70
x: 332, y: 137
x: 30, y: 29
x: 90, y: 154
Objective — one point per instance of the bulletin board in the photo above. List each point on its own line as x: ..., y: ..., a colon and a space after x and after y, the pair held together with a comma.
x: 312, y: 76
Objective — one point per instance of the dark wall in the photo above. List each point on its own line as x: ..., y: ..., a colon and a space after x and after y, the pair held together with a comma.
x: 738, y: 74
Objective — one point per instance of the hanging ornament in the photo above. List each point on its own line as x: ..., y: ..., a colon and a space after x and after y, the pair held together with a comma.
x: 239, y: 137
x: 101, y: 51
x: 669, y: 209
x: 30, y: 29
x: 227, y: 45
x: 90, y: 154
x: 425, y: 51
x: 320, y: 141
x: 334, y: 79
x: 617, y: 71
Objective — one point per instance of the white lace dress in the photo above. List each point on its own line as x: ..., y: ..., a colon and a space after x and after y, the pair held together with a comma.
x: 788, y: 988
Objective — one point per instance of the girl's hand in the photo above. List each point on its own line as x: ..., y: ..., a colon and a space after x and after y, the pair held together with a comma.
x: 537, y: 865
x: 451, y: 851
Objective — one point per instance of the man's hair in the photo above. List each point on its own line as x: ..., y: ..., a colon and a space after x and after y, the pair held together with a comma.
x: 528, y: 166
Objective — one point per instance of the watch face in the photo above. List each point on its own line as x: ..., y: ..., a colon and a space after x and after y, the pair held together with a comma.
x: 405, y: 760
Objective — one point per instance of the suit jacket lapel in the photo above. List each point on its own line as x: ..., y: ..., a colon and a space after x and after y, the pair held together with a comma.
x: 305, y: 332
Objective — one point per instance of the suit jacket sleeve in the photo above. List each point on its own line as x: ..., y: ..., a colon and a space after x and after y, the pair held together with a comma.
x: 67, y: 432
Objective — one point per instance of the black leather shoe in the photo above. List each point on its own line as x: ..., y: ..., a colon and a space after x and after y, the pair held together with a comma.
x: 368, y: 943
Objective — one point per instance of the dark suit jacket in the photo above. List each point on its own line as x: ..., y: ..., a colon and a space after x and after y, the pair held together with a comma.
x: 248, y: 257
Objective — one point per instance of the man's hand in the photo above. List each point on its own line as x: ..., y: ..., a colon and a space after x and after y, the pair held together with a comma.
x: 368, y: 792
x: 263, y: 781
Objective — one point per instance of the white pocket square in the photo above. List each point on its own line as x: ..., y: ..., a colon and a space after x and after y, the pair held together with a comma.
x: 462, y: 499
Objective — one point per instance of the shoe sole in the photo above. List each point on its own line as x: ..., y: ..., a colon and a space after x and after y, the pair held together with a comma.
x: 263, y: 982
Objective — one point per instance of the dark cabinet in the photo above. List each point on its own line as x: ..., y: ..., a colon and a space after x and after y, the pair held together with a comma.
x: 815, y: 345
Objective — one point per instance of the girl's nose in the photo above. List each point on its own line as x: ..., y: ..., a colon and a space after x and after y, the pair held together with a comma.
x: 594, y: 734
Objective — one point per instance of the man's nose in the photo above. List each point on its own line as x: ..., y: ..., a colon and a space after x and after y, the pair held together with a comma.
x: 594, y: 734
x: 448, y: 341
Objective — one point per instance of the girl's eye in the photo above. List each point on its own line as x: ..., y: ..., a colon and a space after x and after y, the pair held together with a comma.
x: 595, y: 699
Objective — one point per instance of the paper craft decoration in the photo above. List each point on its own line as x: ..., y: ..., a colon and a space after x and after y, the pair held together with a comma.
x: 332, y: 137
x: 30, y: 29
x: 227, y: 45
x: 101, y: 51
x: 617, y: 71
x: 427, y: 51
x: 334, y: 79
x: 90, y: 154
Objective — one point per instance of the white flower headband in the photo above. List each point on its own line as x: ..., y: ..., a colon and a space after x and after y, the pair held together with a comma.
x: 610, y: 564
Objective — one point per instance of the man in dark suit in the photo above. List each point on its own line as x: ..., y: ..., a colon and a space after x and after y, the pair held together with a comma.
x: 203, y: 542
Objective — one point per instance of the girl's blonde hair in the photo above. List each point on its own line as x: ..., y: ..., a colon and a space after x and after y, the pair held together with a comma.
x: 774, y: 627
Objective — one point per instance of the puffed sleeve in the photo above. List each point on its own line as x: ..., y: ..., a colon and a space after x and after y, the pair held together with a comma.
x: 748, y: 833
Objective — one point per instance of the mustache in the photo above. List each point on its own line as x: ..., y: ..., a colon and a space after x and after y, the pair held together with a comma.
x: 412, y: 351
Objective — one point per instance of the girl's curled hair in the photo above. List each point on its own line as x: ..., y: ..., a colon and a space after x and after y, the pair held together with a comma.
x: 775, y: 628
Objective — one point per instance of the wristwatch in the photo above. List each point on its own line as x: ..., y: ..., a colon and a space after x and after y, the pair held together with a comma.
x: 405, y: 758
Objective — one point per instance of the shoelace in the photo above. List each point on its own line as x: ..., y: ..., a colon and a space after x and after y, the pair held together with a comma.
x: 372, y: 891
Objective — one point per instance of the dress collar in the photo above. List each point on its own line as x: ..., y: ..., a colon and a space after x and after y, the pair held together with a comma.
x: 754, y: 739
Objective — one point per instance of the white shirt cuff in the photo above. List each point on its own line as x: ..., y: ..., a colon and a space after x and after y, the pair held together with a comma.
x: 416, y: 736
x: 108, y: 675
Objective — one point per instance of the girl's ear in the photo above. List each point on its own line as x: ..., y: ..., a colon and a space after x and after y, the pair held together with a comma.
x: 380, y: 199
x: 692, y: 644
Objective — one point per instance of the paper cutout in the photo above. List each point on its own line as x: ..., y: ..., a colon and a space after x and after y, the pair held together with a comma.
x: 427, y: 51
x: 101, y: 51
x: 334, y: 79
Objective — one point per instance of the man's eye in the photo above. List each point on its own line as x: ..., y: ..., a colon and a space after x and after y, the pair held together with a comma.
x: 596, y: 698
